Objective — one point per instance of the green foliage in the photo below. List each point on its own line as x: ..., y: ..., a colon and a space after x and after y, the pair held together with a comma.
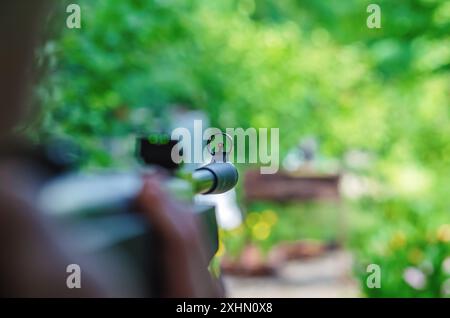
x: 308, y: 67
x: 267, y: 224
x: 406, y: 237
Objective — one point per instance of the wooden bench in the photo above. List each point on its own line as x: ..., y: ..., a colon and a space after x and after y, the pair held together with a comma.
x: 285, y: 187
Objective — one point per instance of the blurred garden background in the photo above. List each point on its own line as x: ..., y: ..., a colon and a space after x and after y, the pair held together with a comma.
x: 374, y: 104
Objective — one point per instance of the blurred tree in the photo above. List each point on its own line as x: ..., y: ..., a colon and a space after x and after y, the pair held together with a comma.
x: 308, y: 67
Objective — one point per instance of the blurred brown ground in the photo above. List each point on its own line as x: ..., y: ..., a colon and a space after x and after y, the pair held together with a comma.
x: 326, y: 276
